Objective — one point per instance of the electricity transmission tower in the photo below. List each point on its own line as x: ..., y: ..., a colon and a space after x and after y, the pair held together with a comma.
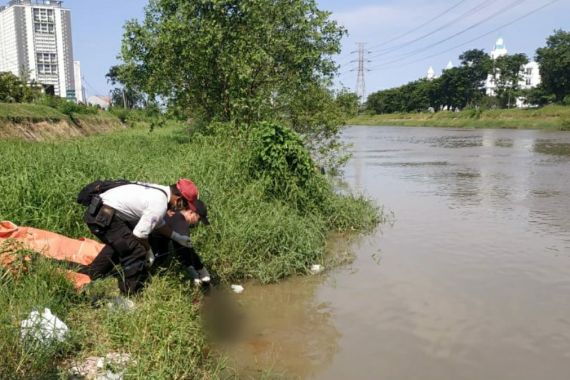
x: 360, y: 83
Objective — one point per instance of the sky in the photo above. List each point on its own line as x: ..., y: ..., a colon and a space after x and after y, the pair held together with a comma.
x: 402, y: 38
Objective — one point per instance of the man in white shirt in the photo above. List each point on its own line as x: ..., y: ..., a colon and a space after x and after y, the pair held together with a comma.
x: 123, y: 218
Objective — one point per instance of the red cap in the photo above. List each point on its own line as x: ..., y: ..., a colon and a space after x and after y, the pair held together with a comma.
x: 189, y: 191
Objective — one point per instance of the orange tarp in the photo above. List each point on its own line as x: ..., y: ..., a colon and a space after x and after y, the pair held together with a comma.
x: 81, y: 251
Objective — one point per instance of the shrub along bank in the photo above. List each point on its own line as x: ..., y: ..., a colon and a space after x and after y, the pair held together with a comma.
x: 270, y: 209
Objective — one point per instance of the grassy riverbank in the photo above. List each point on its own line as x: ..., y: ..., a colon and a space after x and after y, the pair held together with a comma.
x: 37, y: 122
x: 256, y: 233
x: 551, y: 117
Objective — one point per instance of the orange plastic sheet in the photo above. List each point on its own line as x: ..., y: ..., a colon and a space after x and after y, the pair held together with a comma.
x: 81, y: 251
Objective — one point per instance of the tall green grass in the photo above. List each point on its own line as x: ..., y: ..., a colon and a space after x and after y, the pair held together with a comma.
x: 163, y: 335
x: 256, y: 233
x: 19, y: 112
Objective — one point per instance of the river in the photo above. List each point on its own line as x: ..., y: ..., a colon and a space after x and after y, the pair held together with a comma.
x: 470, y: 280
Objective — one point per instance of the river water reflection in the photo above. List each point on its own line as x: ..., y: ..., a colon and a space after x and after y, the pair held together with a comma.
x: 472, y: 280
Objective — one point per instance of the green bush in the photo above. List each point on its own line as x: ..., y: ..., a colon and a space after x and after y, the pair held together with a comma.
x: 67, y: 107
x: 121, y: 113
x: 15, y: 90
x: 280, y: 160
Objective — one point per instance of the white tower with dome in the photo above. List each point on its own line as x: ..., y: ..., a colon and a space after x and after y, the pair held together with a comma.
x: 499, y: 50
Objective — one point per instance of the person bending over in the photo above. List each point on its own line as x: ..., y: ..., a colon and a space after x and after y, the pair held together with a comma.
x: 124, y: 217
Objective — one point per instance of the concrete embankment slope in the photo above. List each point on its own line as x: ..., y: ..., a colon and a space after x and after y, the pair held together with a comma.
x: 551, y: 117
x: 38, y: 123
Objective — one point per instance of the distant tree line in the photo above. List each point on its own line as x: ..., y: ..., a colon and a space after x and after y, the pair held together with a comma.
x: 464, y: 86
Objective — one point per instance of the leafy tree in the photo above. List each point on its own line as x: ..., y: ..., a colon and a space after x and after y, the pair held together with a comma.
x: 476, y: 65
x: 124, y: 96
x: 415, y: 96
x: 14, y: 90
x: 455, y: 88
x: 347, y: 102
x: 554, y: 61
x: 316, y: 115
x: 537, y: 96
x: 240, y: 60
x: 508, y: 74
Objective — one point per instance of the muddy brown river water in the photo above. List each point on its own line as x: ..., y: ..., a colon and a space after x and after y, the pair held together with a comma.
x: 470, y: 281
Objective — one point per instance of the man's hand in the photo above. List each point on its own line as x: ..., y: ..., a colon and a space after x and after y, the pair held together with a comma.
x: 183, y: 240
x: 149, y: 258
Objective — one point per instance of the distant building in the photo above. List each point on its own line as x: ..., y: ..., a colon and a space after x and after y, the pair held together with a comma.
x: 499, y: 50
x: 430, y: 74
x: 100, y: 101
x: 79, y: 89
x: 36, y: 44
x: 530, y: 73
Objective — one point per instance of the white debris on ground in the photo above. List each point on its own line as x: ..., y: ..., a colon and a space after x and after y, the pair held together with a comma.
x: 317, y: 268
x: 44, y: 327
x: 110, y: 367
x: 121, y: 303
x: 237, y: 289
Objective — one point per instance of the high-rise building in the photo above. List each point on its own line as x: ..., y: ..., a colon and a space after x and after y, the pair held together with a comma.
x: 79, y: 90
x: 36, y: 44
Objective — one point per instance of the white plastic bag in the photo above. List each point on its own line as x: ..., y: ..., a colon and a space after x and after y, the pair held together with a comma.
x: 237, y: 288
x: 44, y: 327
x: 317, y: 268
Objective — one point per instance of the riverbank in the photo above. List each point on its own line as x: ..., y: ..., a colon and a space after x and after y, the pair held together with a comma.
x: 34, y: 122
x: 552, y: 117
x: 256, y: 233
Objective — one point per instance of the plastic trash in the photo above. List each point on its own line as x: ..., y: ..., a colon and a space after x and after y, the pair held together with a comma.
x: 44, y: 327
x: 316, y: 268
x: 121, y: 303
x: 237, y: 289
x: 110, y: 367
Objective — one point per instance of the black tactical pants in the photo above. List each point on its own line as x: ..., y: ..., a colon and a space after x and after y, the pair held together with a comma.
x: 122, y: 251
x: 186, y: 256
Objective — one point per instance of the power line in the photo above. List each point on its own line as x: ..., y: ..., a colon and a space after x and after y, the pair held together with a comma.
x: 420, y: 26
x: 400, y: 64
x: 91, y: 87
x: 415, y: 52
x: 479, y: 7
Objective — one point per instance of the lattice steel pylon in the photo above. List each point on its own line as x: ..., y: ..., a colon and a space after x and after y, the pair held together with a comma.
x: 360, y: 83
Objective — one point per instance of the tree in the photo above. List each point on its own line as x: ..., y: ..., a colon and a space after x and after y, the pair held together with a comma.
x: 348, y: 102
x: 508, y: 74
x: 231, y: 60
x: 477, y: 65
x: 124, y: 96
x: 455, y: 88
x: 554, y: 61
x: 14, y: 90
